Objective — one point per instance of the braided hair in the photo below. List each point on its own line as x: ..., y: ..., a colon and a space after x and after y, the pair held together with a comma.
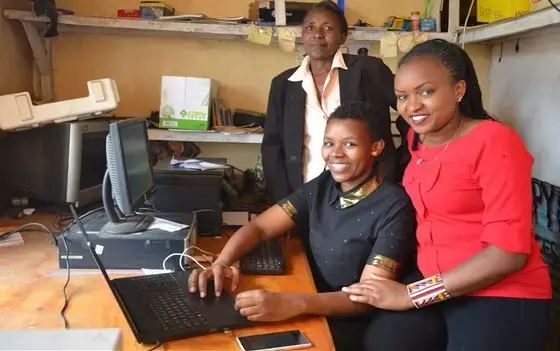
x: 460, y: 67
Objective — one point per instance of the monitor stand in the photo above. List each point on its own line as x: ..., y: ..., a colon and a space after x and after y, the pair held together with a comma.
x: 128, y: 225
x: 120, y: 224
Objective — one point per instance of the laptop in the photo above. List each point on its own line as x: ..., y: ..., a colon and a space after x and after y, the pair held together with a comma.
x: 160, y: 307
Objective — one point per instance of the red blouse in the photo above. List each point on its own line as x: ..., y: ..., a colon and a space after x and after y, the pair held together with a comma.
x: 477, y: 193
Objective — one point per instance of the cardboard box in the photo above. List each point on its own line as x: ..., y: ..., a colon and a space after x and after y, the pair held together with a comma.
x: 495, y: 10
x: 155, y: 9
x: 186, y: 102
x: 542, y: 4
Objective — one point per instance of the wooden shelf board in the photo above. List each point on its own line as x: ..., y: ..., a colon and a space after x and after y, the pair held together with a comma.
x: 511, y: 27
x: 203, y: 137
x: 127, y: 26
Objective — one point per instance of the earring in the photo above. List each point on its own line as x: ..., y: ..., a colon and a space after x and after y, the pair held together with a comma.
x: 460, y: 98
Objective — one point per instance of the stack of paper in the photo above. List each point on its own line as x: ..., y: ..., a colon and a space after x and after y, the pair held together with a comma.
x: 195, y: 164
x: 11, y: 240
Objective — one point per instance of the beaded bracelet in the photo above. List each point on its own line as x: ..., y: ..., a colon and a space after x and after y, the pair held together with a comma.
x: 428, y: 291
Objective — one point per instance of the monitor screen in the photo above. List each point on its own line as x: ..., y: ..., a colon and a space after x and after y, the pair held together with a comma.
x: 129, y: 163
x: 136, y: 157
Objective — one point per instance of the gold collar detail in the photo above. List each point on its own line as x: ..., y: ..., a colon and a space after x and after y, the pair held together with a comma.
x: 354, y: 196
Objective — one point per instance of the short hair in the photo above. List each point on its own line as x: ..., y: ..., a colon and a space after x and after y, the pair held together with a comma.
x: 364, y: 112
x: 460, y: 67
x: 330, y: 6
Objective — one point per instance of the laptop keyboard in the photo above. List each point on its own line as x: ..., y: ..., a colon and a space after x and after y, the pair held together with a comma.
x: 165, y: 299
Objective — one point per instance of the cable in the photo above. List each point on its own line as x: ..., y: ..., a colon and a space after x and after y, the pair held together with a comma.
x: 81, y: 217
x: 151, y: 205
x: 58, y: 220
x: 184, y: 254
x: 48, y: 231
x: 465, y: 26
x: 66, y: 300
x: 554, y: 5
x: 44, y: 228
x: 158, y: 345
x: 237, y: 169
x: 63, y: 236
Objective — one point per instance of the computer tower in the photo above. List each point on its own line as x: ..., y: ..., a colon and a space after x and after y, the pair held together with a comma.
x: 183, y: 190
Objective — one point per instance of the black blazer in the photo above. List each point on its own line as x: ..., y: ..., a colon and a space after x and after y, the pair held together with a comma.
x: 366, y: 79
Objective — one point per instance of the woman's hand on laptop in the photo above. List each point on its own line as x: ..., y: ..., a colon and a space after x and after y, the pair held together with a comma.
x: 218, y: 271
x: 265, y: 306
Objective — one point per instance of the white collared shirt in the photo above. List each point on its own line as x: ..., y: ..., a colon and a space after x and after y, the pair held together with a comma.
x: 316, y: 113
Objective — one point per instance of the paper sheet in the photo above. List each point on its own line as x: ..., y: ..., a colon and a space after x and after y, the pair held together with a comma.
x: 260, y: 34
x: 168, y: 226
x: 147, y: 271
x: 388, y: 45
x: 286, y: 39
x: 12, y: 240
x: 195, y: 164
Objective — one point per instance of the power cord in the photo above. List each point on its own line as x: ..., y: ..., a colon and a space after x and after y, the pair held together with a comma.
x: 184, y: 254
x: 60, y: 218
x: 66, y: 300
x: 158, y: 345
x: 48, y: 231
x: 465, y: 26
x: 554, y: 5
x: 43, y: 227
x: 63, y: 236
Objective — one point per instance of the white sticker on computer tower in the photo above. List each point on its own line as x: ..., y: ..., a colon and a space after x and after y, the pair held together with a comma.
x: 99, y: 249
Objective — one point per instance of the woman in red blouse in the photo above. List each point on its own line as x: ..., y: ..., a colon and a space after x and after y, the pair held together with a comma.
x: 469, y: 179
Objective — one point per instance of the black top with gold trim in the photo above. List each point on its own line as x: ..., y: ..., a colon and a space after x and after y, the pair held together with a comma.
x: 370, y: 224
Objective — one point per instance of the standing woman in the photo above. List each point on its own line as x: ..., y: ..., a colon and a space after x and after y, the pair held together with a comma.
x: 470, y: 182
x: 302, y: 97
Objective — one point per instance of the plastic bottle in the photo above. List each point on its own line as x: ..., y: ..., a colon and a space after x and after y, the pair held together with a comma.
x: 415, y: 21
x: 340, y: 4
x: 260, y: 184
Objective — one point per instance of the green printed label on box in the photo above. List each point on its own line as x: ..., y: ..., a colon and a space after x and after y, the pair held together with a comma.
x: 188, y: 117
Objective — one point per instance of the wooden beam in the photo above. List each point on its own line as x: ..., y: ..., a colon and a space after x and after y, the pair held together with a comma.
x: 435, y: 13
x: 280, y: 12
x: 454, y: 15
x: 41, y: 48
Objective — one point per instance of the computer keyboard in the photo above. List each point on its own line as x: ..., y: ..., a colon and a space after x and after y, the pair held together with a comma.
x: 164, y: 298
x: 265, y: 259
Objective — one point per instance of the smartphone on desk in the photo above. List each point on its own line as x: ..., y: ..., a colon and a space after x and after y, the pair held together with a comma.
x: 288, y: 340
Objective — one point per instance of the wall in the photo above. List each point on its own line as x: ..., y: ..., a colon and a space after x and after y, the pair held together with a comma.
x: 525, y: 90
x: 244, y: 70
x: 15, y: 54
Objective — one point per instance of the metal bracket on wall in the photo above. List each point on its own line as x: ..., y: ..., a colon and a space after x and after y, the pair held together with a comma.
x: 42, y: 54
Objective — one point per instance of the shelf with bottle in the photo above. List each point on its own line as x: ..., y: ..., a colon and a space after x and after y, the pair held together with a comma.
x: 132, y: 26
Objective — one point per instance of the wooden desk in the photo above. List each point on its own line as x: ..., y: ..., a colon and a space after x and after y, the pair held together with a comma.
x: 30, y: 298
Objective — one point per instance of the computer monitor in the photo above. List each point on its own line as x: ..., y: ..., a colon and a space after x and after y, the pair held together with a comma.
x: 129, y: 178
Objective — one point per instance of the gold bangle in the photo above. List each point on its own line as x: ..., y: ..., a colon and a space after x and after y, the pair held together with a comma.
x: 384, y: 263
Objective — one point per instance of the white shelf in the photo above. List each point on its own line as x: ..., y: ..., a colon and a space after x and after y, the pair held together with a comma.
x: 203, y: 137
x: 127, y: 26
x: 512, y: 27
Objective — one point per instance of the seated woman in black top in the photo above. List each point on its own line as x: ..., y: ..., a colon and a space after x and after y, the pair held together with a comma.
x: 360, y: 226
